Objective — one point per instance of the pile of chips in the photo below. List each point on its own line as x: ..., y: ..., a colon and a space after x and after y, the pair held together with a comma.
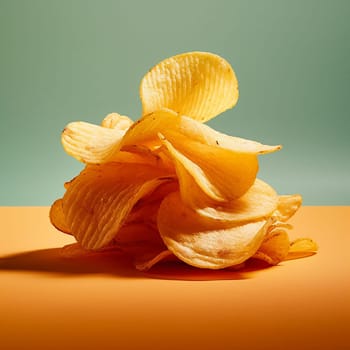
x: 170, y: 187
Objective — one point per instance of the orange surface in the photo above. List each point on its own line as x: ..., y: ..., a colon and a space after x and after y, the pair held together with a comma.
x: 50, y: 302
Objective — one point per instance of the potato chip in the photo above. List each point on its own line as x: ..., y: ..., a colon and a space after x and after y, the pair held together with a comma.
x: 145, y: 131
x: 287, y: 206
x: 275, y: 246
x: 191, y: 193
x: 207, y: 135
x: 170, y: 124
x: 117, y: 121
x: 57, y: 217
x: 258, y: 203
x: 99, y: 200
x: 301, y: 248
x: 89, y: 143
x: 200, y: 85
x: 223, y: 175
x: 203, y: 242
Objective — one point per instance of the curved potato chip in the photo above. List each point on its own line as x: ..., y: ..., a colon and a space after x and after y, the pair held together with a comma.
x: 203, y: 242
x: 274, y: 247
x: 205, y: 134
x: 258, y: 203
x: 200, y: 85
x: 191, y: 193
x: 194, y: 189
x: 117, y: 121
x: 99, y: 200
x: 89, y: 143
x: 145, y: 131
x: 287, y: 206
x: 57, y: 217
x: 222, y: 174
x: 301, y: 248
x: 167, y: 122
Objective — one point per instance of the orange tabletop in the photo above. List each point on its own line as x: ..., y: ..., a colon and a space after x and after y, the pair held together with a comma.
x: 101, y: 302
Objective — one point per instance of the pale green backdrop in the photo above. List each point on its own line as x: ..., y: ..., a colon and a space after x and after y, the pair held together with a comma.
x: 79, y: 60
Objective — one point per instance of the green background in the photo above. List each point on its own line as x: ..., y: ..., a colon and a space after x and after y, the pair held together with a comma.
x: 62, y: 61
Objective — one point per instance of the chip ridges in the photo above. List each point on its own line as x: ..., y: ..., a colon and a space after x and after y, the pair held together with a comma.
x: 99, y: 200
x: 169, y: 186
x: 200, y: 85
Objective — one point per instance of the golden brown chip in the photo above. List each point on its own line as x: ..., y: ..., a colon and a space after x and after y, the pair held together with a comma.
x: 89, y: 143
x: 274, y: 247
x: 222, y: 174
x: 145, y: 131
x: 191, y: 193
x: 205, y: 134
x: 57, y: 217
x: 117, y: 121
x: 99, y: 200
x: 287, y: 206
x: 203, y: 242
x: 258, y: 203
x: 173, y: 125
x: 302, y: 247
x: 200, y: 85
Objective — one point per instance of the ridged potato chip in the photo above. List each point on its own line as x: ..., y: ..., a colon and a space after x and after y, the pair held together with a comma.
x: 301, y: 248
x: 200, y: 85
x: 89, y: 143
x: 145, y: 132
x: 203, y: 242
x: 275, y: 246
x: 99, y: 200
x: 220, y: 173
x: 93, y: 144
x: 116, y: 121
x: 287, y: 206
x: 258, y: 203
x: 57, y: 217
